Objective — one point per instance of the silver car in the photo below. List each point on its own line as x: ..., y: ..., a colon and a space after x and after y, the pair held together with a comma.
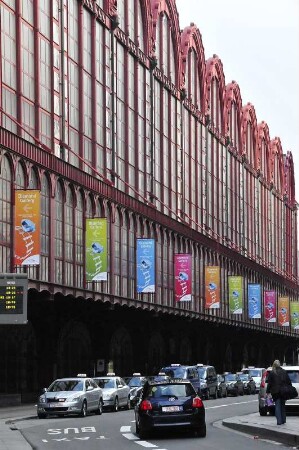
x: 116, y: 393
x: 65, y: 396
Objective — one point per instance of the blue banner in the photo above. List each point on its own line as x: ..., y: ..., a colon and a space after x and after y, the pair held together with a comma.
x: 254, y: 301
x: 145, y: 260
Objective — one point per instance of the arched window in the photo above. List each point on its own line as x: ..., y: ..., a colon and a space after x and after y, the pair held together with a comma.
x: 79, y: 241
x: 192, y: 80
x: 58, y: 235
x: 234, y: 126
x: 130, y: 14
x: 249, y: 144
x: 33, y: 182
x: 215, y: 104
x: 45, y: 228
x: 20, y: 177
x: 69, y: 238
x: 5, y: 215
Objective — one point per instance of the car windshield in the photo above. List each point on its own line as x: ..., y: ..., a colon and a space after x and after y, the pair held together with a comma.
x: 106, y: 383
x: 176, y: 390
x: 201, y: 372
x: 294, y: 375
x: 66, y: 385
x: 255, y: 372
x: 174, y: 372
x: 135, y: 382
x: 244, y: 376
x: 230, y: 377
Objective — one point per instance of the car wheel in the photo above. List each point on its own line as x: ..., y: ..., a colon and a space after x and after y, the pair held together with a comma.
x: 128, y: 405
x: 225, y: 393
x: 216, y: 394
x: 142, y: 433
x: 220, y: 393
x: 242, y: 392
x: 41, y: 416
x: 263, y: 411
x: 116, y: 405
x: 208, y: 395
x: 201, y: 432
x: 84, y: 409
x: 99, y: 411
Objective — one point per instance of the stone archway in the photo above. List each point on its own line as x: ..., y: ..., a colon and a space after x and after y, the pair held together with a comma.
x: 186, y: 351
x: 156, y: 353
x: 74, y: 353
x: 121, y: 353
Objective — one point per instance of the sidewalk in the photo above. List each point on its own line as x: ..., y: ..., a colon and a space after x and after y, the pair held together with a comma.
x: 266, y: 428
x: 10, y: 437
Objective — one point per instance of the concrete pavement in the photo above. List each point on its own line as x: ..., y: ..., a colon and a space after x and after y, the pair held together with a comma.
x: 267, y: 428
x: 260, y: 427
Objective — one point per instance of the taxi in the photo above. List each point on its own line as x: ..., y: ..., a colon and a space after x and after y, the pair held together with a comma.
x: 116, y: 393
x: 136, y: 383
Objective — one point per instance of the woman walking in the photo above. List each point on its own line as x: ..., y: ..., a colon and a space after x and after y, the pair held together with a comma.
x: 277, y: 378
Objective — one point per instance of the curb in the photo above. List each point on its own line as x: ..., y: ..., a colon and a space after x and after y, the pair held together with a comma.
x: 281, y: 436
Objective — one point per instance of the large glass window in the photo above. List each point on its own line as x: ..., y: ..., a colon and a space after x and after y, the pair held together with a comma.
x: 5, y: 215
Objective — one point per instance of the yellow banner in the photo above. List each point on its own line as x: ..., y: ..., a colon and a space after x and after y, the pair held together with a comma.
x: 27, y: 228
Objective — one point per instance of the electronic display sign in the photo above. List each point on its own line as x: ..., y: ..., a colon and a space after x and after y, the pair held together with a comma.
x: 13, y: 298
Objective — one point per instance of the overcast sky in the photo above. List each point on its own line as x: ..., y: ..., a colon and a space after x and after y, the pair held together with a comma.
x: 258, y: 44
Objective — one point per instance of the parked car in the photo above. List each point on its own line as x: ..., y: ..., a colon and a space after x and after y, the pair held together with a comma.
x: 248, y: 383
x: 65, y: 396
x: 185, y: 372
x: 116, y: 393
x: 234, y: 384
x: 136, y: 383
x: 291, y: 405
x: 256, y: 373
x: 172, y: 404
x: 221, y: 386
x: 208, y: 381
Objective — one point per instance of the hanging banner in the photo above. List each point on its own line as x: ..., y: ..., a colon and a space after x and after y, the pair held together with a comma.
x: 283, y: 311
x: 294, y: 307
x: 27, y: 228
x: 96, y: 249
x: 270, y: 306
x: 145, y: 263
x: 182, y: 274
x: 235, y: 290
x: 212, y: 287
x: 254, y: 301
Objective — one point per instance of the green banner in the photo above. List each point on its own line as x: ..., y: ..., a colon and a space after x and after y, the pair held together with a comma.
x: 96, y: 249
x: 235, y: 292
x: 294, y: 309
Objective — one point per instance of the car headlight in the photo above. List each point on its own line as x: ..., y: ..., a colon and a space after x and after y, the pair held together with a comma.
x: 74, y: 399
x: 42, y: 399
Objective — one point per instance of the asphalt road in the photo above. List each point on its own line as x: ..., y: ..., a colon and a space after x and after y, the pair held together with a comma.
x: 116, y: 431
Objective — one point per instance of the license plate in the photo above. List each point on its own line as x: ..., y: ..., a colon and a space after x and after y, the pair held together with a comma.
x: 171, y: 408
x: 55, y: 405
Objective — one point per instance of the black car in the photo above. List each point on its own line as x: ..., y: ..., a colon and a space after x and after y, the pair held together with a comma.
x: 248, y: 382
x: 136, y: 383
x: 185, y: 372
x: 234, y: 384
x: 171, y: 404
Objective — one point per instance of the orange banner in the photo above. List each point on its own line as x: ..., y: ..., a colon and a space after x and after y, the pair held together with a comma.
x: 212, y: 287
x: 283, y: 311
x: 27, y: 228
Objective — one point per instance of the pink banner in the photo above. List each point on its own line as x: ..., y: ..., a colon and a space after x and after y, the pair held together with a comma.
x: 270, y: 306
x: 183, y: 281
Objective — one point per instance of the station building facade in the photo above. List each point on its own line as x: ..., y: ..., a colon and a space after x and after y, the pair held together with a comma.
x: 111, y: 110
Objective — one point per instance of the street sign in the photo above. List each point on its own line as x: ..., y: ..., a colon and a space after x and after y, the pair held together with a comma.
x: 13, y: 298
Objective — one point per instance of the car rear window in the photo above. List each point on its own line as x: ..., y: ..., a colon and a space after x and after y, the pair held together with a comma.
x: 177, y: 390
x: 294, y: 375
x: 175, y: 372
x: 255, y: 373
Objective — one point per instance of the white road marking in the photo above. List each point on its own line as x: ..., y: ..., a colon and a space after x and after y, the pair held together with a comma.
x: 125, y: 429
x: 146, y: 444
x: 130, y: 436
x: 230, y: 404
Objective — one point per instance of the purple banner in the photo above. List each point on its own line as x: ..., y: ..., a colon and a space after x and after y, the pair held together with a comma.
x: 183, y: 282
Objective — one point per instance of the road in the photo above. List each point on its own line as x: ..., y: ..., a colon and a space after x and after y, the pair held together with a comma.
x: 116, y: 431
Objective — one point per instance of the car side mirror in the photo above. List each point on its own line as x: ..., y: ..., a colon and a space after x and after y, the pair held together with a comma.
x: 120, y: 386
x: 89, y: 388
x: 44, y: 390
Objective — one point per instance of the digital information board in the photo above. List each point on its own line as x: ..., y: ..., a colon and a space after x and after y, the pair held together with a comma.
x: 13, y: 298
